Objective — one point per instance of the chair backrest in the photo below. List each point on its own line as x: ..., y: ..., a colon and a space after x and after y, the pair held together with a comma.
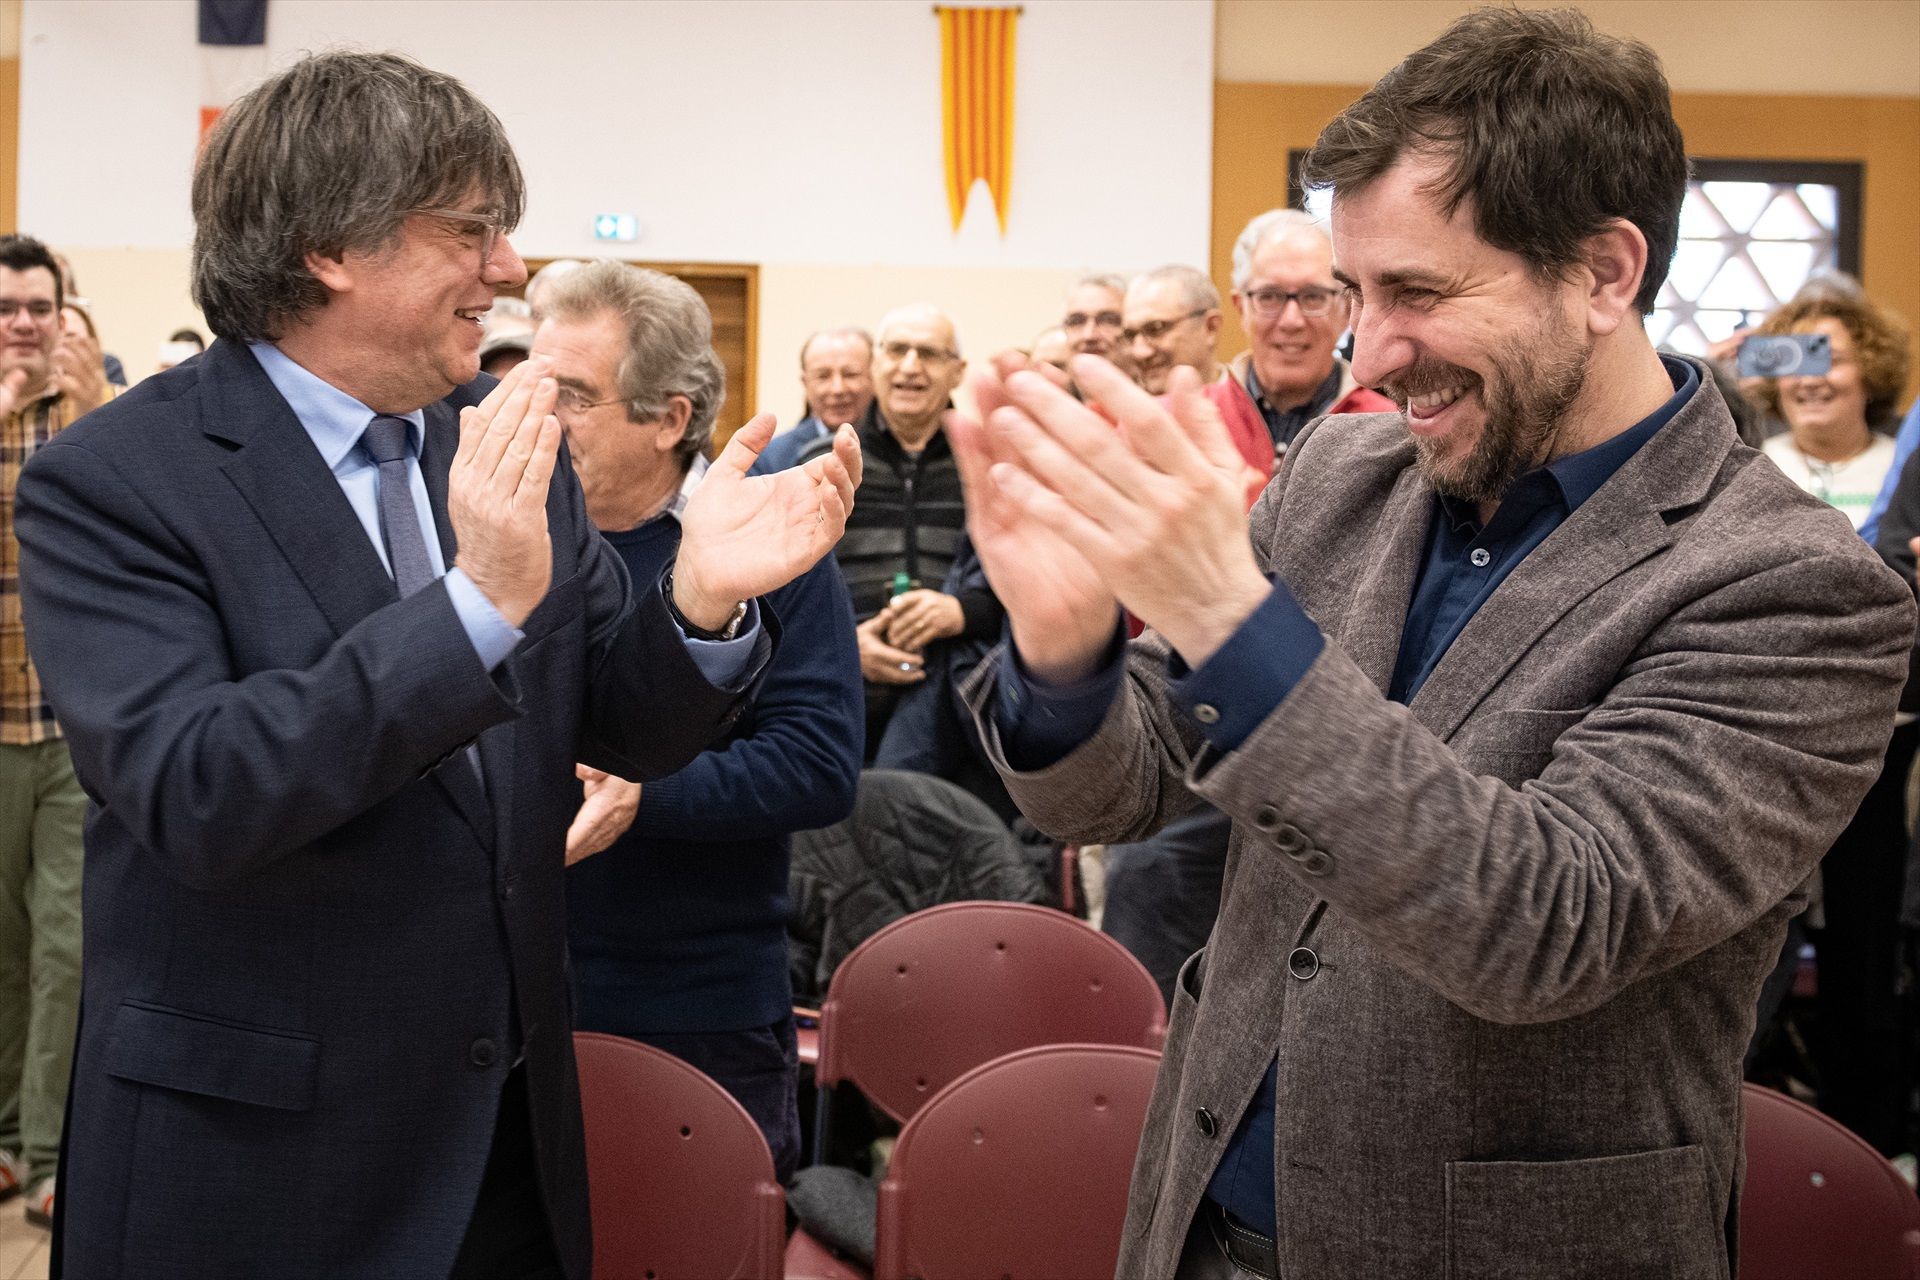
x: 939, y: 992
x: 1819, y: 1203
x: 681, y: 1179
x: 1018, y: 1169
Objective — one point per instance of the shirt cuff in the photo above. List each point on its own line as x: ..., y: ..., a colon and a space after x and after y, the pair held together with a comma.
x: 1252, y: 673
x: 492, y: 636
x: 729, y: 664
x: 1040, y: 723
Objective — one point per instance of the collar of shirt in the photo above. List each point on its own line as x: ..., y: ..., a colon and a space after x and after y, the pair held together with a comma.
x: 332, y: 418
x: 1578, y: 476
x: 1284, y: 424
x: 678, y: 503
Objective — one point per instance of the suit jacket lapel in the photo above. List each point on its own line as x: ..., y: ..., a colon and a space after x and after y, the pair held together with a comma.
x: 1618, y: 527
x: 283, y: 478
x: 1370, y: 634
x: 438, y: 443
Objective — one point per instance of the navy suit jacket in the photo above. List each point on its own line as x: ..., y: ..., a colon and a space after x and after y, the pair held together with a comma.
x: 315, y: 945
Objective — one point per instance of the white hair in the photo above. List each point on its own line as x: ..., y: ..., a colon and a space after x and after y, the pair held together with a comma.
x: 1270, y: 225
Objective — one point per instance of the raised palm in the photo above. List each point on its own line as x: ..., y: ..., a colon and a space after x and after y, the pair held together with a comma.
x: 743, y: 536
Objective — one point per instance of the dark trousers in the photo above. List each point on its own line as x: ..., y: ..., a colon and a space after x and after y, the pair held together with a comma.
x: 1857, y: 1045
x: 1164, y: 893
x: 760, y: 1067
x: 508, y: 1238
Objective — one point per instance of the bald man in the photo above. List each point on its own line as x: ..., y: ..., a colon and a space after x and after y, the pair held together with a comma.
x: 896, y: 555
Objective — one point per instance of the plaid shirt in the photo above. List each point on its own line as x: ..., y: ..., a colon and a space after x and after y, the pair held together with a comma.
x: 25, y: 717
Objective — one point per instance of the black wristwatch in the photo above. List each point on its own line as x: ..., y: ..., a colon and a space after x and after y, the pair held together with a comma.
x: 731, y: 631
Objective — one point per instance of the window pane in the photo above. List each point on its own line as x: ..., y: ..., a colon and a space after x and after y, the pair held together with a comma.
x: 1693, y: 265
x: 1823, y: 202
x: 1785, y: 267
x: 1740, y: 203
x: 1786, y: 219
x: 1715, y: 325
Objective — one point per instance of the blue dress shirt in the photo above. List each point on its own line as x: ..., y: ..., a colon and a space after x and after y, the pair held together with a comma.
x: 1250, y: 675
x: 335, y: 420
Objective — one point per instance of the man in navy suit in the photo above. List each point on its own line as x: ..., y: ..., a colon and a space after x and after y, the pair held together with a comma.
x: 327, y: 626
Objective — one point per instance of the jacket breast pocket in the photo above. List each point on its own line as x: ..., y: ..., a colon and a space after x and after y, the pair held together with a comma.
x: 1647, y: 1216
x: 196, y: 1053
x: 1515, y: 744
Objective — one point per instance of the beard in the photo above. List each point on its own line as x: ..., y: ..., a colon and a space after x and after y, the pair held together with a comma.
x: 1533, y: 385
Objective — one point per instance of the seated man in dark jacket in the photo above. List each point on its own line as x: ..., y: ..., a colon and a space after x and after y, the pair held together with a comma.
x: 677, y: 927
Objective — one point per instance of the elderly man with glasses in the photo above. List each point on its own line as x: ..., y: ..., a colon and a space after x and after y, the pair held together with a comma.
x: 1172, y: 317
x: 1294, y: 312
x: 1093, y: 322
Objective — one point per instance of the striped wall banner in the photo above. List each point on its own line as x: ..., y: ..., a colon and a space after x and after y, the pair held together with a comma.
x: 976, y: 95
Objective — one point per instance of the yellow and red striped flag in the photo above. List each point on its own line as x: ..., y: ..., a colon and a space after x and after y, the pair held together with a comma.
x: 976, y: 92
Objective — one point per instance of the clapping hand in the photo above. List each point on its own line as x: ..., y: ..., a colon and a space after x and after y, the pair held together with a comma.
x: 497, y: 489
x: 742, y: 536
x: 1070, y: 513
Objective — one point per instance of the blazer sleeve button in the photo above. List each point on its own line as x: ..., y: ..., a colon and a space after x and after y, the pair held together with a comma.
x: 1208, y: 1125
x: 481, y: 1052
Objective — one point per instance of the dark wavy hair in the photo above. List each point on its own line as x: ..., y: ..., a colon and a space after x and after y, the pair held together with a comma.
x: 1550, y: 131
x: 328, y: 156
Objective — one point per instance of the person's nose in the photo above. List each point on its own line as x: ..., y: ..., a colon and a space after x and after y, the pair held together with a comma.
x: 503, y: 265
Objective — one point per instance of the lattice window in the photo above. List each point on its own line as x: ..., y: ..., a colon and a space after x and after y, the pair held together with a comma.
x: 1751, y: 233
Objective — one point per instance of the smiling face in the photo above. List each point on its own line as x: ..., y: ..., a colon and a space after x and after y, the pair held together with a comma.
x: 625, y: 467
x: 1168, y: 331
x: 31, y: 329
x: 1832, y: 405
x: 1484, y: 356
x: 414, y: 308
x: 836, y: 372
x: 916, y: 366
x: 1292, y: 352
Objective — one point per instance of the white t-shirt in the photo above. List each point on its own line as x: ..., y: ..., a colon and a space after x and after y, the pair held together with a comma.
x: 1850, y: 486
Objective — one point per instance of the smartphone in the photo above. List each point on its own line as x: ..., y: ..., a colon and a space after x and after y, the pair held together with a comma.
x: 1786, y: 355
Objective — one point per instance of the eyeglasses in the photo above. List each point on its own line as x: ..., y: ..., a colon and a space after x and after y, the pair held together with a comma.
x: 39, y: 310
x: 897, y: 351
x: 1314, y: 302
x: 1102, y: 320
x: 491, y: 225
x: 576, y: 402
x: 1154, y: 330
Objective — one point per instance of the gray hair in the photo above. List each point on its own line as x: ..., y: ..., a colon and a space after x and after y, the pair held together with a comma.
x: 327, y: 157
x: 669, y: 342
x: 1101, y: 280
x: 545, y: 278
x: 1270, y: 225
x: 1197, y: 290
x: 844, y: 331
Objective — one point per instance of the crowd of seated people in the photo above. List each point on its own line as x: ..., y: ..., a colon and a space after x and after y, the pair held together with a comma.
x: 679, y: 894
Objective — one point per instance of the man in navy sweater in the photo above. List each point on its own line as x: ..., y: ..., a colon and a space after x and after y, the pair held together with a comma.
x: 677, y: 927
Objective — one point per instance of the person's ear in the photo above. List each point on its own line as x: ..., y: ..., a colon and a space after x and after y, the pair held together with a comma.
x: 1616, y: 263
x: 673, y: 423
x: 334, y: 273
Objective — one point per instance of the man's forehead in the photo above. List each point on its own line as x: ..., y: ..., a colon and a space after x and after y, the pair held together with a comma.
x: 1155, y: 298
x: 1300, y: 255
x: 834, y: 349
x: 929, y: 327
x: 34, y: 282
x: 1093, y: 296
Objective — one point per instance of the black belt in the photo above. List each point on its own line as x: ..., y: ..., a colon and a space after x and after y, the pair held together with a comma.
x: 1244, y: 1247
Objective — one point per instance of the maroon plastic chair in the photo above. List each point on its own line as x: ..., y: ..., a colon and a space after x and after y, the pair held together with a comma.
x: 941, y: 991
x: 681, y: 1178
x: 1018, y: 1169
x: 1819, y: 1203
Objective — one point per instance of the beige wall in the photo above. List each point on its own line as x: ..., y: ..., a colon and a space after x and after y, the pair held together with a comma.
x: 992, y: 309
x: 1857, y: 47
x: 139, y: 296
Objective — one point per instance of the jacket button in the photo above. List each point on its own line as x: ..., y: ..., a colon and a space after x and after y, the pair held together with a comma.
x: 1302, y: 963
x: 481, y: 1052
x: 1207, y: 713
x: 1208, y: 1125
x: 1291, y: 841
x: 1266, y: 817
x: 1317, y: 862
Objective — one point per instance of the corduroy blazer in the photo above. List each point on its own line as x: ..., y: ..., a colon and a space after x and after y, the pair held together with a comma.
x: 1505, y: 941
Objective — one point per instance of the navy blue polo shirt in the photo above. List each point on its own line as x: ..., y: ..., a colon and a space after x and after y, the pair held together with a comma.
x: 1249, y: 676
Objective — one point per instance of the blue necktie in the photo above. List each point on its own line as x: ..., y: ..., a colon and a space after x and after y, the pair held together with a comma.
x: 386, y: 442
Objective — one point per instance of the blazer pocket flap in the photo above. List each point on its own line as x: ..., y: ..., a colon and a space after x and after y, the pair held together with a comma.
x: 194, y: 1053
x: 1522, y: 730
x: 1521, y: 1218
